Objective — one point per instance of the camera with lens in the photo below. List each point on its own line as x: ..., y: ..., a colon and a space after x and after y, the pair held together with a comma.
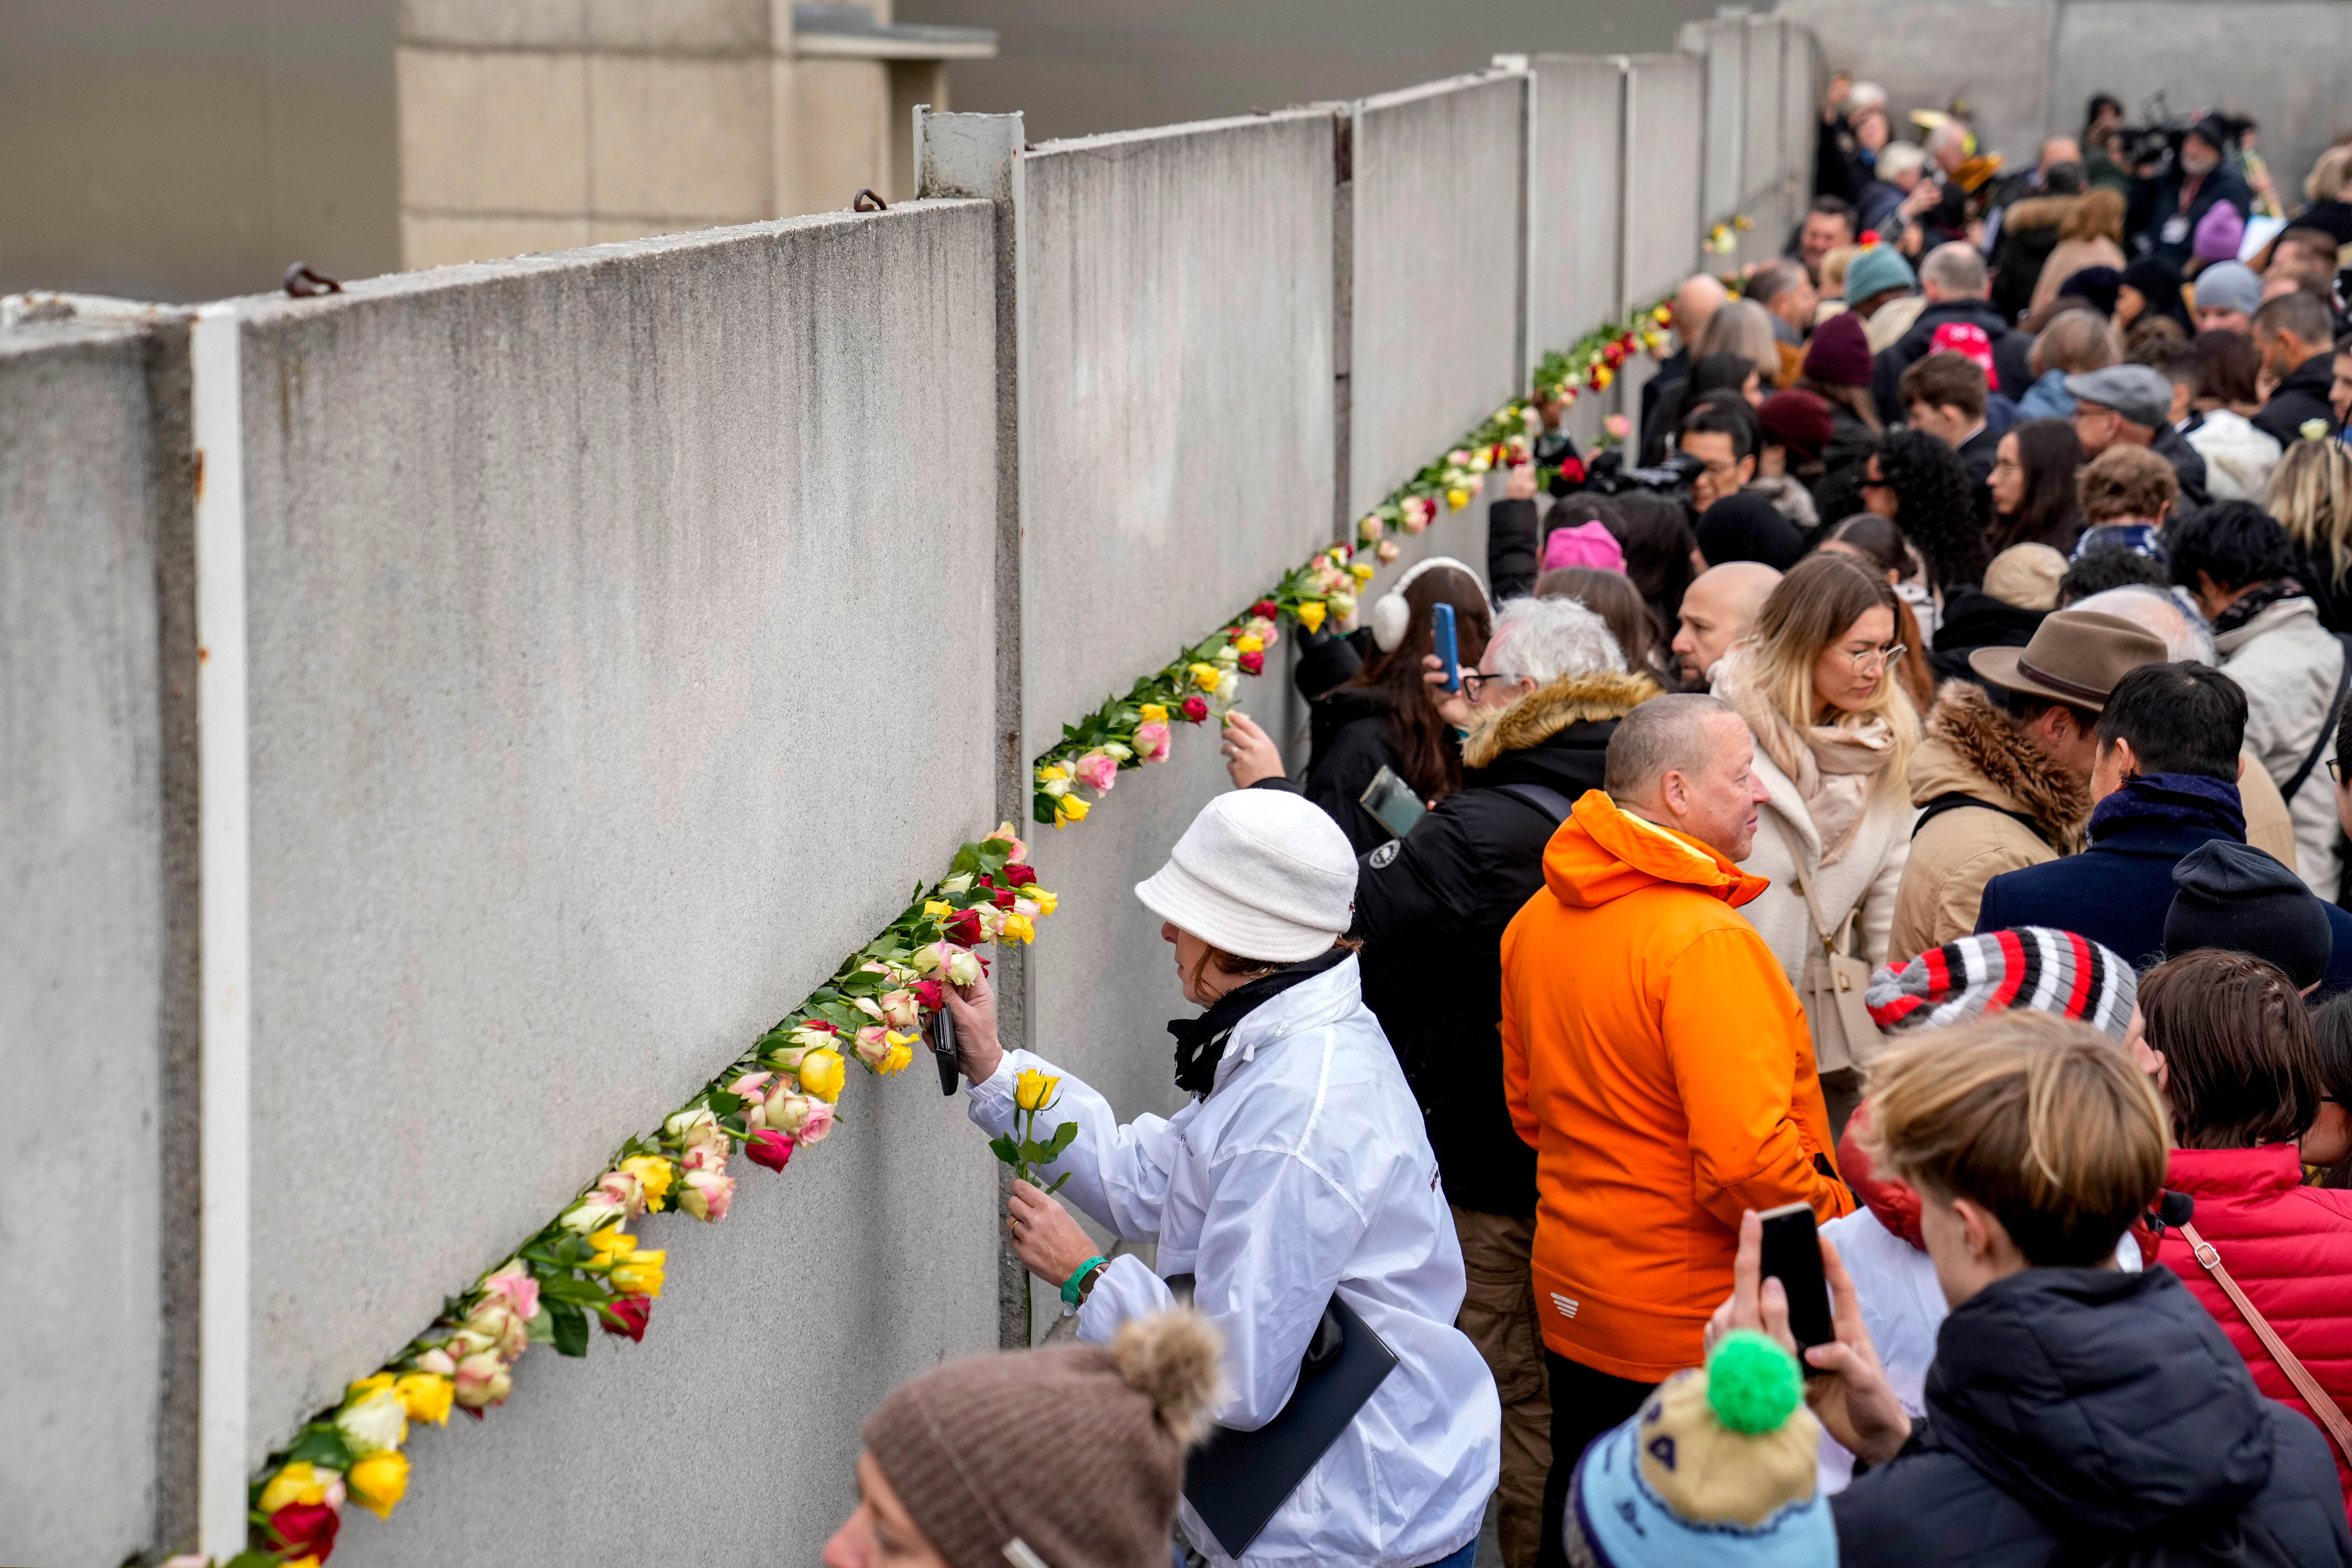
x: 1608, y: 475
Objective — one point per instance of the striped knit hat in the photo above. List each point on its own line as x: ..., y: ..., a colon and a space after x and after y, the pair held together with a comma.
x: 2033, y: 967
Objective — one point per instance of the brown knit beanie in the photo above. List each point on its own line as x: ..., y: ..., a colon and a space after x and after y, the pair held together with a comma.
x: 1077, y: 1452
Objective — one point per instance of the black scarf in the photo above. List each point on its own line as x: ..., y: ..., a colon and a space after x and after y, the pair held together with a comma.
x: 1200, y: 1042
x: 2255, y: 602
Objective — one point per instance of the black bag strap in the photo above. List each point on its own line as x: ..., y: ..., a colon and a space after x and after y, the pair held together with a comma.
x: 1550, y: 802
x: 1958, y: 800
x: 2327, y: 729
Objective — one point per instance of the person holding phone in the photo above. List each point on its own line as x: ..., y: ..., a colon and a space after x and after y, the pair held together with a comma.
x: 1297, y: 1180
x: 2074, y: 1410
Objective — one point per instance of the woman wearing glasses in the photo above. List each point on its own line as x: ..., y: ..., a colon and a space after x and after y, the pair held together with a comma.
x: 1816, y: 682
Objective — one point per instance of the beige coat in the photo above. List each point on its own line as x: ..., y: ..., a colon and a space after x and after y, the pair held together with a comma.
x: 1974, y: 749
x: 1894, y: 318
x: 2067, y: 258
x: 1863, y: 882
x: 2288, y: 664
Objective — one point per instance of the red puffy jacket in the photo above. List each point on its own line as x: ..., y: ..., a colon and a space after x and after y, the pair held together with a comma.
x: 2289, y: 1247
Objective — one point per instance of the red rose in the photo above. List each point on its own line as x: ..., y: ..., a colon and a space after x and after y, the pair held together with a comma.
x: 305, y: 1530
x: 1002, y: 899
x: 1263, y: 607
x: 627, y: 1317
x: 1196, y: 709
x: 963, y: 927
x: 767, y: 1147
x: 929, y: 994
x: 1613, y: 355
x: 1017, y: 876
x: 1573, y: 470
x: 1252, y: 663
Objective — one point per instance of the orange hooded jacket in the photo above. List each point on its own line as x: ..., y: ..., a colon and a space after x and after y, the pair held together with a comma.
x: 1657, y: 1060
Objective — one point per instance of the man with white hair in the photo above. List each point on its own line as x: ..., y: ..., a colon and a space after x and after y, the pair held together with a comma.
x: 1536, y: 713
x: 1958, y: 319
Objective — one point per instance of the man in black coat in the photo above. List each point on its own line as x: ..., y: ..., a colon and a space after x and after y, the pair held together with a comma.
x: 2165, y: 781
x: 1695, y: 302
x: 1431, y: 907
x: 1953, y: 278
x: 2290, y: 333
x: 2166, y: 209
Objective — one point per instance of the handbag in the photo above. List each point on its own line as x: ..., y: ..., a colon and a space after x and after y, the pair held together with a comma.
x: 2304, y: 1383
x: 1844, y: 1034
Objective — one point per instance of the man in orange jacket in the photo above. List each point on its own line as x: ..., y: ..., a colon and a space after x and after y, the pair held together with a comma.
x: 1656, y: 1058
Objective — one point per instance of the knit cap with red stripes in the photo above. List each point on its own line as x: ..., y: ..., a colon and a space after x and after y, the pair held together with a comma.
x: 2031, y: 967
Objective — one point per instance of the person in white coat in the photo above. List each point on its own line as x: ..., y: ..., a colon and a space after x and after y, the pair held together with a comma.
x: 1300, y: 1171
x: 1834, y: 732
x: 2240, y: 564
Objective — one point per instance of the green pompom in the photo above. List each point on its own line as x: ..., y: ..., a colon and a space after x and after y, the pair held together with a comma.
x: 1753, y: 1385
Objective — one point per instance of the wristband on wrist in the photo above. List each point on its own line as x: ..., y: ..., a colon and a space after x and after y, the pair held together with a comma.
x: 1072, y: 1286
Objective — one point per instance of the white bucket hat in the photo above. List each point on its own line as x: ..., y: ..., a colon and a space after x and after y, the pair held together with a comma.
x: 1262, y: 874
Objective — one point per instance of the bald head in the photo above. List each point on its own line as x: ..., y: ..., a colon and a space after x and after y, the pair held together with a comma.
x: 1685, y: 761
x: 1695, y: 303
x: 1719, y: 609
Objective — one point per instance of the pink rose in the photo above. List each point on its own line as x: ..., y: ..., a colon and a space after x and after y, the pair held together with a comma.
x: 483, y: 1381
x: 1388, y: 551
x: 773, y: 1150
x: 516, y: 1284
x: 1015, y: 849
x: 437, y: 1360
x: 706, y: 1195
x: 818, y: 1125
x: 1096, y: 770
x: 788, y: 1109
x: 1151, y: 740
x: 873, y: 1047
x: 900, y: 1010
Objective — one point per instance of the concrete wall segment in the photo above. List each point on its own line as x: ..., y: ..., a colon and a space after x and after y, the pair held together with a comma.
x: 1436, y: 263
x: 94, y: 929
x: 1176, y: 390
x: 1577, y: 199
x: 1665, y: 95
x: 592, y: 599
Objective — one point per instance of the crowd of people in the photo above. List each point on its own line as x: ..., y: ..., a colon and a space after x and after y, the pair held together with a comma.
x: 1908, y: 798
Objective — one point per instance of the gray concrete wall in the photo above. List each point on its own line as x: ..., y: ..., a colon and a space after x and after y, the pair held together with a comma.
x: 1577, y: 199
x: 617, y: 665
x: 1664, y: 121
x: 92, y: 933
x: 1439, y: 182
x: 1176, y: 391
x: 1722, y: 48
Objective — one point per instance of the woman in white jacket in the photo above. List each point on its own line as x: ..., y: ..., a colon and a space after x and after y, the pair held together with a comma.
x: 1834, y: 733
x: 1300, y: 1171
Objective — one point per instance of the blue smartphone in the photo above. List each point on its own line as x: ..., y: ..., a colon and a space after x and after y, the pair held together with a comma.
x: 1441, y: 635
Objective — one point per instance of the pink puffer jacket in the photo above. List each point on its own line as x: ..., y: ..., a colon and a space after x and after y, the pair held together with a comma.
x: 2289, y: 1247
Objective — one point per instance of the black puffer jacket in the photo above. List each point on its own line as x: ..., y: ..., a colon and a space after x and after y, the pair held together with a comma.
x: 2080, y: 1416
x: 1431, y: 909
x: 2009, y: 352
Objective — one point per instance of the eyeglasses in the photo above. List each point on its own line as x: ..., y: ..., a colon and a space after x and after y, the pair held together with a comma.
x: 1472, y: 682
x: 1870, y: 484
x: 1874, y: 660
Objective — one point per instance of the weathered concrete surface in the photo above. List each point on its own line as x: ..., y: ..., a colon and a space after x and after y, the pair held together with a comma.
x: 2287, y: 62
x: 87, y: 924
x: 622, y: 655
x: 1579, y: 168
x: 1661, y: 175
x: 1721, y: 46
x: 1438, y: 188
x: 1176, y: 391
x: 1766, y: 159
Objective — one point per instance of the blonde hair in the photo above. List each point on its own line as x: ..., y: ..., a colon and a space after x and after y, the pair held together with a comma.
x: 2098, y: 215
x: 2328, y: 174
x: 1808, y: 611
x: 2311, y: 493
x: 2042, y: 1120
x: 1834, y: 261
x: 1742, y: 327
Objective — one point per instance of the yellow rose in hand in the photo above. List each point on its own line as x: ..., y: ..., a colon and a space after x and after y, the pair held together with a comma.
x: 820, y: 1074
x: 425, y: 1396
x: 1033, y: 1091
x: 379, y: 1481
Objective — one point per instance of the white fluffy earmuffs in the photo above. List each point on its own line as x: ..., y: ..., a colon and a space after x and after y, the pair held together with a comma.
x: 1390, y: 614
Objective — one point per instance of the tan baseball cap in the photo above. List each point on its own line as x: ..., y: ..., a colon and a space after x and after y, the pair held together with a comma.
x: 2075, y: 657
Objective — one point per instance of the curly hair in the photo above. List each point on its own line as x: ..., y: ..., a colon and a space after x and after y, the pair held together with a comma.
x: 1934, y: 506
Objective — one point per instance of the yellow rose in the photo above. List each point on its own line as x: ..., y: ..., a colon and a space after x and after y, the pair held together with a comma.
x: 610, y: 1243
x: 820, y: 1074
x: 1362, y: 571
x: 1033, y: 1091
x: 299, y: 1481
x: 936, y: 909
x: 379, y: 1481
x: 1458, y: 498
x: 1249, y: 642
x: 1053, y: 772
x: 1152, y: 713
x: 1069, y: 808
x: 1310, y: 613
x: 1045, y: 901
x: 425, y: 1396
x: 896, y: 1061
x: 1204, y: 675
x: 641, y: 1275
x: 1015, y: 928
x: 1662, y: 314
x: 654, y: 1175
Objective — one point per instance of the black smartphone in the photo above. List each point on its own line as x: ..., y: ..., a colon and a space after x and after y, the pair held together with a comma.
x: 1793, y: 1255
x: 940, y: 1033
x: 1441, y: 638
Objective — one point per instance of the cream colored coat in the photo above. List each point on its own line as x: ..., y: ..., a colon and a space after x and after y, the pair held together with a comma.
x: 2287, y: 663
x: 1864, y: 879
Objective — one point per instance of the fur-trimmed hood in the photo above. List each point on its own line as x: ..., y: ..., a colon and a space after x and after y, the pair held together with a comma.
x: 2040, y: 212
x: 1975, y: 748
x: 1544, y: 712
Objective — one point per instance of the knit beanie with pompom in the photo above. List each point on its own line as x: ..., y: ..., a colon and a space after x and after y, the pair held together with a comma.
x: 1075, y: 1453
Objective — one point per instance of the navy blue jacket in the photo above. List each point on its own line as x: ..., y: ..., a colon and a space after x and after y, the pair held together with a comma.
x: 2117, y: 892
